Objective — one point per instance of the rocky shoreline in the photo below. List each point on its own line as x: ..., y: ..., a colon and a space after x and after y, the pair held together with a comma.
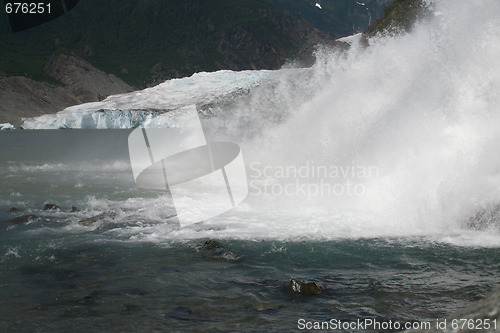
x: 79, y: 82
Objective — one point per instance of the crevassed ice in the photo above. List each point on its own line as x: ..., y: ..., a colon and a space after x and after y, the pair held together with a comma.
x: 150, y: 107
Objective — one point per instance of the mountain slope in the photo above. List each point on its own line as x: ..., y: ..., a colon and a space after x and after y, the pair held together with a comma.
x: 336, y: 18
x: 399, y: 17
x: 80, y: 82
x: 145, y: 42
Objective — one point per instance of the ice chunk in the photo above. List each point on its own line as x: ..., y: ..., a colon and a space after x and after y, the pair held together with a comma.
x: 6, y: 126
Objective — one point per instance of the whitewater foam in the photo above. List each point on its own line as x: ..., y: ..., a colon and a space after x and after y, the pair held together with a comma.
x: 420, y: 108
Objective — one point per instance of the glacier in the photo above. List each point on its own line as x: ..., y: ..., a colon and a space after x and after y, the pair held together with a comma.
x: 157, y: 106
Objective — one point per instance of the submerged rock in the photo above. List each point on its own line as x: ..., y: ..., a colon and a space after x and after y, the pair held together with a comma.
x: 22, y: 219
x: 89, y: 221
x: 75, y: 209
x: 228, y: 256
x: 212, y: 244
x: 213, y: 249
x: 50, y: 206
x: 94, y: 219
x: 306, y: 288
x: 14, y: 210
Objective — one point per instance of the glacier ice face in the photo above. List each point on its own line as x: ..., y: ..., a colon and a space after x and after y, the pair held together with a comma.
x: 6, y: 126
x: 104, y: 119
x: 152, y: 107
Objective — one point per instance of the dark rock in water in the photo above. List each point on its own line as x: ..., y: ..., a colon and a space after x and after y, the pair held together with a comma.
x: 214, y: 249
x: 89, y: 221
x: 14, y: 210
x: 306, y: 288
x: 50, y: 206
x: 96, y: 218
x: 22, y: 219
x: 478, y: 314
x: 212, y: 244
x: 229, y: 256
x: 75, y: 209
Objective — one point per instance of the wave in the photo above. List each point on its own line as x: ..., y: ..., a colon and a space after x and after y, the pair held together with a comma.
x: 398, y: 139
x: 89, y: 166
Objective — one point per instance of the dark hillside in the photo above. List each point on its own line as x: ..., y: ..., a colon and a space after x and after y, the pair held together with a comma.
x: 147, y: 41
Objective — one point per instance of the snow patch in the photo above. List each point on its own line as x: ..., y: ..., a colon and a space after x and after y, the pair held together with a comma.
x: 353, y: 39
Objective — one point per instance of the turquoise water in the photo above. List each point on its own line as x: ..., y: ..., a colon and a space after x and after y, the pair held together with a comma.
x: 419, y: 240
x: 136, y: 270
x: 61, y: 284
